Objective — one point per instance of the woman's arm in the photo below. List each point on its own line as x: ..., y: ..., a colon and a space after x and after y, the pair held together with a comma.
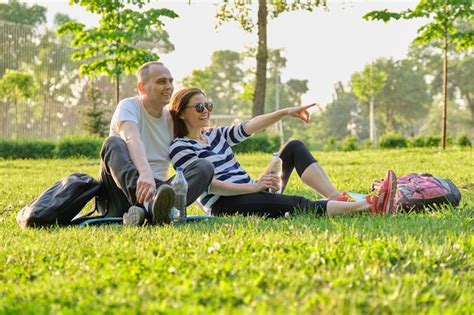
x: 222, y: 188
x: 261, y: 122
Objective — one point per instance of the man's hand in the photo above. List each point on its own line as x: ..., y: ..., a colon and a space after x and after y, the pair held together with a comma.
x: 301, y: 112
x: 146, y: 187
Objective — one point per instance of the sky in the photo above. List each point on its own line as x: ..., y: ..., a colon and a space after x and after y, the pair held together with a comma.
x: 323, y: 46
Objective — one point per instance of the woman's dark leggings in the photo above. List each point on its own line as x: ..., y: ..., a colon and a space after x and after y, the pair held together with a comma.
x: 294, y: 155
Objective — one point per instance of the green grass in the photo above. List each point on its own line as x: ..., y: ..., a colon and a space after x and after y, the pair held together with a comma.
x: 407, y: 263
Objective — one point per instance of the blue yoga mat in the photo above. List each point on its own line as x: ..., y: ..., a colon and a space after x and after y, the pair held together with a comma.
x: 118, y: 220
x: 101, y: 221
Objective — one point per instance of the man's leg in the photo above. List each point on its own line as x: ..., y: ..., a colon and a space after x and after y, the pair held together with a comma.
x: 199, y: 175
x: 118, y: 177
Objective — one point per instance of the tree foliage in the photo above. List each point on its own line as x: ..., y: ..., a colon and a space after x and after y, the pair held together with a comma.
x: 252, y: 18
x: 112, y: 48
x: 443, y: 16
x: 222, y: 81
x: 18, y: 12
x: 18, y: 25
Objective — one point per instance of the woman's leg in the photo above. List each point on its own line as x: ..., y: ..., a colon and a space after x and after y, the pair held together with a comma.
x: 345, y: 208
x: 265, y: 204
x: 296, y: 155
x: 276, y: 205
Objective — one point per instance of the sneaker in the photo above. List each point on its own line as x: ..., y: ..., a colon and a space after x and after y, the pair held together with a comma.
x: 135, y: 216
x: 383, y: 201
x: 344, y: 197
x: 160, y: 207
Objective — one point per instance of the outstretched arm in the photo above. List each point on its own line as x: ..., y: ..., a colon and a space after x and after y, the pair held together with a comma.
x: 261, y: 122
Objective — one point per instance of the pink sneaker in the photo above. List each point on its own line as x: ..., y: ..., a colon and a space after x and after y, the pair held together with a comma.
x: 383, y: 201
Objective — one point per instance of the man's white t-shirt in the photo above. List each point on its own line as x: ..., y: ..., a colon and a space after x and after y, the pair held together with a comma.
x: 156, y: 133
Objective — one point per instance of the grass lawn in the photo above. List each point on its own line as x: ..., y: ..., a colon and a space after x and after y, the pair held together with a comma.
x: 304, y: 264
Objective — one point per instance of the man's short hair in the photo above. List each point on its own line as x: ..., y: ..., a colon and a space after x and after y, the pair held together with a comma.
x: 143, y: 73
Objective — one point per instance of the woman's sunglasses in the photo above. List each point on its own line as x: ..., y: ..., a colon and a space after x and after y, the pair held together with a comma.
x: 199, y: 107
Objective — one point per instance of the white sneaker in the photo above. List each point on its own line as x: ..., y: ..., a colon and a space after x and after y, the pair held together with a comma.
x: 135, y: 216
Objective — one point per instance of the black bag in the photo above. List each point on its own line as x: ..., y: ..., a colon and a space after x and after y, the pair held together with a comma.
x: 60, y: 203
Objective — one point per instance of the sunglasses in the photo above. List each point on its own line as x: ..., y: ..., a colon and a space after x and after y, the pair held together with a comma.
x: 199, y: 107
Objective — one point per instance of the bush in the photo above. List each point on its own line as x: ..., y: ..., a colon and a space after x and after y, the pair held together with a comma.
x: 331, y: 144
x: 416, y: 142
x: 433, y: 141
x: 261, y: 142
x: 367, y: 144
x: 26, y: 149
x: 349, y: 143
x: 464, y: 141
x: 393, y: 141
x: 79, y: 147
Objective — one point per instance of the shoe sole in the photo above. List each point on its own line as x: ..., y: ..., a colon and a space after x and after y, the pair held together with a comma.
x: 135, y: 216
x: 162, y: 204
x: 391, y: 191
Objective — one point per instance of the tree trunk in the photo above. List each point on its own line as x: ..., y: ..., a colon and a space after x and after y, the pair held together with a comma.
x: 261, y: 80
x: 470, y: 105
x: 372, y: 132
x: 445, y: 91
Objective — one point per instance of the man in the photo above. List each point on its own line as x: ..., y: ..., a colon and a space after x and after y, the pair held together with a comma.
x: 134, y: 159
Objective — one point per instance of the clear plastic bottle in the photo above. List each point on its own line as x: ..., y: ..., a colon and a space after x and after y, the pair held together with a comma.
x: 180, y: 186
x: 275, y: 168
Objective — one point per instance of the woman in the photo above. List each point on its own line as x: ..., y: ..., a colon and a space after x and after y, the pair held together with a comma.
x: 232, y: 190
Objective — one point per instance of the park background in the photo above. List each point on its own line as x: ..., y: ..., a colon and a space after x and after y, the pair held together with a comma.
x: 313, y: 57
x: 53, y: 122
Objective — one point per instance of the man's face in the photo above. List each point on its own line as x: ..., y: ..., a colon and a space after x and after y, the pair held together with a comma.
x: 159, y: 87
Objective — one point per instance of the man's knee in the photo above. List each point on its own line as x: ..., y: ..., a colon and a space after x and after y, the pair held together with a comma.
x: 204, y: 168
x: 111, y: 143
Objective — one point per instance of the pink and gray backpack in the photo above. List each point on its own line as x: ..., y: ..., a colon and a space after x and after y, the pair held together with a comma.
x: 418, y: 191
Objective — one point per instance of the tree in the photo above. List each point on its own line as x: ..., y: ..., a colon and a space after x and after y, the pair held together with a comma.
x: 339, y: 117
x: 18, y: 23
x: 366, y: 85
x: 222, y: 81
x: 404, y: 99
x: 16, y: 86
x: 460, y: 87
x: 443, y: 15
x: 112, y: 47
x: 17, y: 12
x: 95, y: 123
x: 242, y: 12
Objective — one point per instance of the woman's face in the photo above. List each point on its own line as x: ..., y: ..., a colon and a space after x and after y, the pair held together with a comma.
x: 197, y: 113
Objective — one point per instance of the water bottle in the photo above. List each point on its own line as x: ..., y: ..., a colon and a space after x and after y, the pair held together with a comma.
x: 275, y: 168
x: 180, y: 186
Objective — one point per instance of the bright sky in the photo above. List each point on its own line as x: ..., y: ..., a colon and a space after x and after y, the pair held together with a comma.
x: 321, y: 46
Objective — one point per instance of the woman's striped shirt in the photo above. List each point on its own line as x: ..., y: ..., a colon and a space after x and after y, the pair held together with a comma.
x: 184, y: 151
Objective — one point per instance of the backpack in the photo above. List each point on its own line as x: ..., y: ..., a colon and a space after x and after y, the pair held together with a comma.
x: 417, y: 191
x: 60, y: 203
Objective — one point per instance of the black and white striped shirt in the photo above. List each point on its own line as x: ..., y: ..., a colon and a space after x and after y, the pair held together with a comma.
x: 184, y: 151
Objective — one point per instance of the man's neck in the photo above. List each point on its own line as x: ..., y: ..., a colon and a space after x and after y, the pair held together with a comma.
x: 154, y: 109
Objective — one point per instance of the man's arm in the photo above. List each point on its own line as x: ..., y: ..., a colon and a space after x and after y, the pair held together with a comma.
x: 146, y: 185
